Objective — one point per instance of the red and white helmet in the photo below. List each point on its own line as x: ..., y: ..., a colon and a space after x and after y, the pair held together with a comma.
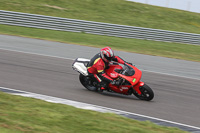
x: 107, y: 54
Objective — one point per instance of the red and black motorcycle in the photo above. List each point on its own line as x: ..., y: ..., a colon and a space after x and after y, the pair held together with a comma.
x: 128, y: 75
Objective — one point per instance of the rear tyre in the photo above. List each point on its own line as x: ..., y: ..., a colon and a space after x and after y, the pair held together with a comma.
x: 147, y: 93
x: 87, y: 82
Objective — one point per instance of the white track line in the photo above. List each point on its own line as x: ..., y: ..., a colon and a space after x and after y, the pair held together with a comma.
x: 89, y: 106
x: 74, y: 59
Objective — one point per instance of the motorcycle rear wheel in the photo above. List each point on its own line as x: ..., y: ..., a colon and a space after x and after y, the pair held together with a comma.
x: 87, y: 82
x: 147, y: 93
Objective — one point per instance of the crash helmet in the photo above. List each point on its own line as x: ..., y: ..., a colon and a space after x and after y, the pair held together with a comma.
x: 107, y: 54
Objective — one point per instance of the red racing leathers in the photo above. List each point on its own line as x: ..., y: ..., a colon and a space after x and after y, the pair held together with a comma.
x: 97, y: 66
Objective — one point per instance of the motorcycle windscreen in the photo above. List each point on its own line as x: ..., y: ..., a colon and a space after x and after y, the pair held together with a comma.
x: 129, y: 71
x: 134, y: 79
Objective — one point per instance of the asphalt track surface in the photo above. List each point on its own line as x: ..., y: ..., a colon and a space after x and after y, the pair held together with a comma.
x: 176, y: 97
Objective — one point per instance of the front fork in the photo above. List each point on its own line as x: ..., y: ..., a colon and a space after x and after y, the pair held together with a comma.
x: 137, y: 87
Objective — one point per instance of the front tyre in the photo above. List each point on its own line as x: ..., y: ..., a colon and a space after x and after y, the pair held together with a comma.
x: 147, y: 93
x: 87, y: 82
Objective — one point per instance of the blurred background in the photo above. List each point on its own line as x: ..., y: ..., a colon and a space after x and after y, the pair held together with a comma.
x: 188, y: 5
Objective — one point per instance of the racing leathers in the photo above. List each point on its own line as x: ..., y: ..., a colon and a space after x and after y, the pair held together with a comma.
x: 97, y: 66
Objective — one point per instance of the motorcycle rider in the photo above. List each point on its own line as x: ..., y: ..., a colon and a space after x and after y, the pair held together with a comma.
x: 98, y: 64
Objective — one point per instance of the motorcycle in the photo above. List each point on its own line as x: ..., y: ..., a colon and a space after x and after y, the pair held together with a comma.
x: 128, y: 75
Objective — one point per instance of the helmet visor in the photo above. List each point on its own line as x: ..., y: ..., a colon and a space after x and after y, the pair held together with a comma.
x: 108, y: 58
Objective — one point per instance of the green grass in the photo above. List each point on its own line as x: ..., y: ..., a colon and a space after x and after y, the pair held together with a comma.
x: 172, y: 50
x: 21, y: 114
x: 110, y: 11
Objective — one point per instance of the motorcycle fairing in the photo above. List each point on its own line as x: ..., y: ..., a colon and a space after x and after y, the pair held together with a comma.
x: 80, y: 65
x: 120, y: 89
x: 134, y: 79
x: 111, y: 72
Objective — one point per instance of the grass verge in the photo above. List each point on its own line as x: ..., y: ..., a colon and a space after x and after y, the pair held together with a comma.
x: 110, y: 11
x: 22, y: 114
x: 171, y: 50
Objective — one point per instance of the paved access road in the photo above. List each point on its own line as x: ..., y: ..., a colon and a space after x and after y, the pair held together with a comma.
x: 176, y: 98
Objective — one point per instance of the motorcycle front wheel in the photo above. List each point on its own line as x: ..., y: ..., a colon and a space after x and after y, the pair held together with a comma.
x: 147, y: 93
x: 87, y: 82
